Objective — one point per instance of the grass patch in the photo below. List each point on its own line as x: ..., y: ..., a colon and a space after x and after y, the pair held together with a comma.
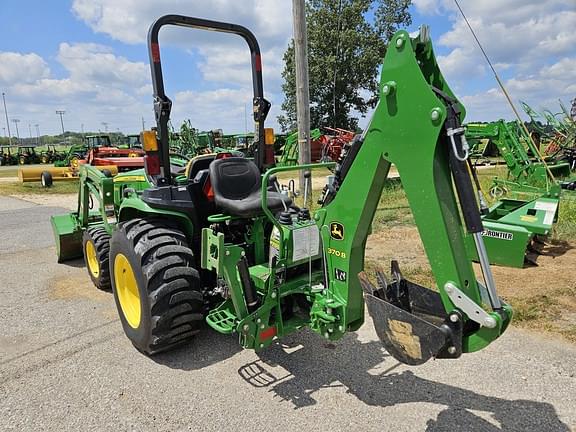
x: 316, y: 173
x: 565, y: 228
x: 419, y: 275
x: 9, y: 171
x: 35, y: 188
x: 533, y: 309
x: 393, y: 207
x: 535, y: 312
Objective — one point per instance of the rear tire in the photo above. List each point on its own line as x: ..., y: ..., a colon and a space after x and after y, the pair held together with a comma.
x: 96, y: 247
x: 156, y: 288
x: 46, y: 179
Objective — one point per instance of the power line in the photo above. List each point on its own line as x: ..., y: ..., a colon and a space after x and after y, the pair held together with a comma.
x: 504, y: 91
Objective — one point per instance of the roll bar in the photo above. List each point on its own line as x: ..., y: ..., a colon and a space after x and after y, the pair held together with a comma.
x: 163, y: 105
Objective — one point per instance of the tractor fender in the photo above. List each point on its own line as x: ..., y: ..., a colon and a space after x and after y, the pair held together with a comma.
x: 133, y: 207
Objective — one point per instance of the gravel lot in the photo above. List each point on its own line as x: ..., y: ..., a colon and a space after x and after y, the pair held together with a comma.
x: 65, y: 365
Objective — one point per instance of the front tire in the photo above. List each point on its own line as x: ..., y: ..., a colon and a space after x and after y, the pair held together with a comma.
x: 96, y: 247
x: 156, y: 288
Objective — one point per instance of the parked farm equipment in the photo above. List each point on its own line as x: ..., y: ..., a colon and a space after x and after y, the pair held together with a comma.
x: 324, y: 147
x: 527, y: 201
x: 224, y: 246
x: 554, y: 134
x: 27, y: 155
x: 8, y: 155
x: 51, y: 155
x: 96, y: 151
x: 290, y: 151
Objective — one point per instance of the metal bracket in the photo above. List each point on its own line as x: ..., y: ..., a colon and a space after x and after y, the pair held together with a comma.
x: 469, y: 307
x: 459, y: 132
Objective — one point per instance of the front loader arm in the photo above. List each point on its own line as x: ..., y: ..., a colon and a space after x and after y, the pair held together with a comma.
x: 411, y: 128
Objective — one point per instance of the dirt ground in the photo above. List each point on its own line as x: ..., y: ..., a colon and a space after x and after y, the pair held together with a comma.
x: 68, y: 201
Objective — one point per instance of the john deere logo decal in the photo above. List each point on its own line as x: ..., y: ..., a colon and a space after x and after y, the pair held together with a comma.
x: 337, y: 231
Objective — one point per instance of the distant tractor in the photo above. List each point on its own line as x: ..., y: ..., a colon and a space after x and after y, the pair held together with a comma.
x: 27, y: 155
x: 51, y: 155
x: 8, y: 155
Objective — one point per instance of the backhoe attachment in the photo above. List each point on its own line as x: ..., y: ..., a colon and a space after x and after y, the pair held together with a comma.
x: 417, y: 126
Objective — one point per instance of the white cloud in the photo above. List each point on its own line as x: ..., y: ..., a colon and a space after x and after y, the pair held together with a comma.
x: 212, y: 109
x: 541, y: 90
x: 530, y: 42
x: 97, y: 86
x: 128, y: 20
x: 222, y: 59
x: 21, y: 68
x: 93, y: 63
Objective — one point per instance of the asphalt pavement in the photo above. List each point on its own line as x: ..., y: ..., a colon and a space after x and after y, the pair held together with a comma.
x: 65, y: 365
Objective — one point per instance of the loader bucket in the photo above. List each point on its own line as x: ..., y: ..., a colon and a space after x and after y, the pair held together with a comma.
x: 67, y: 235
x: 410, y: 320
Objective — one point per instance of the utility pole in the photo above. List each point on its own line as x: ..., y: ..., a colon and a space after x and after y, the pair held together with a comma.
x: 16, y: 121
x: 7, y: 122
x: 302, y: 92
x: 143, y: 124
x: 245, y: 120
x: 61, y: 114
x: 37, y: 126
x: 30, y: 129
x: 105, y: 124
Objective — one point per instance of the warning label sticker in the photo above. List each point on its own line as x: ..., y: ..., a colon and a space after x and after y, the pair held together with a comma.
x: 549, y: 208
x: 306, y: 242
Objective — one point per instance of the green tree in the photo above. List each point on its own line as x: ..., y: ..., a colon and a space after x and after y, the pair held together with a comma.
x: 346, y: 44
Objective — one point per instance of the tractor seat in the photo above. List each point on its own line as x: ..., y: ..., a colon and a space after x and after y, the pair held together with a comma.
x: 236, y: 184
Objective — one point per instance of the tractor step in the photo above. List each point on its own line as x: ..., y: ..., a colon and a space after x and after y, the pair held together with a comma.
x: 410, y: 320
x: 222, y: 320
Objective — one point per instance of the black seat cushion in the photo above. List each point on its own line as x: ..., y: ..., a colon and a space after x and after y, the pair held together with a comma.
x: 236, y: 185
x: 199, y: 163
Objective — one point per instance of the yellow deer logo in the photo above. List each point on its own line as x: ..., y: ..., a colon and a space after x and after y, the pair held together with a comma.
x: 337, y: 231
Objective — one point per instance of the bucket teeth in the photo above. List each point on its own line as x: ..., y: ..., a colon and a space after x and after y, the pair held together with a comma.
x: 410, y: 320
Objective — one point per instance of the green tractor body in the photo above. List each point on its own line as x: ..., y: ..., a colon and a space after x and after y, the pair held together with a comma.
x: 220, y: 243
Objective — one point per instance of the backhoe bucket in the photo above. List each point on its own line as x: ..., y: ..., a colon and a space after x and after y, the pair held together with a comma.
x: 410, y: 320
x: 68, y: 236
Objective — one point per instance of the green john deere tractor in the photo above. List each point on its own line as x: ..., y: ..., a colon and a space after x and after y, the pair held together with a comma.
x: 222, y: 245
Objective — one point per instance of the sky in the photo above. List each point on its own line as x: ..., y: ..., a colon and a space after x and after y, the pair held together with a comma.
x: 89, y: 58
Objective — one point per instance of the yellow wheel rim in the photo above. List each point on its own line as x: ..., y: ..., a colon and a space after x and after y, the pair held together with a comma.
x: 92, y: 259
x: 127, y: 290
